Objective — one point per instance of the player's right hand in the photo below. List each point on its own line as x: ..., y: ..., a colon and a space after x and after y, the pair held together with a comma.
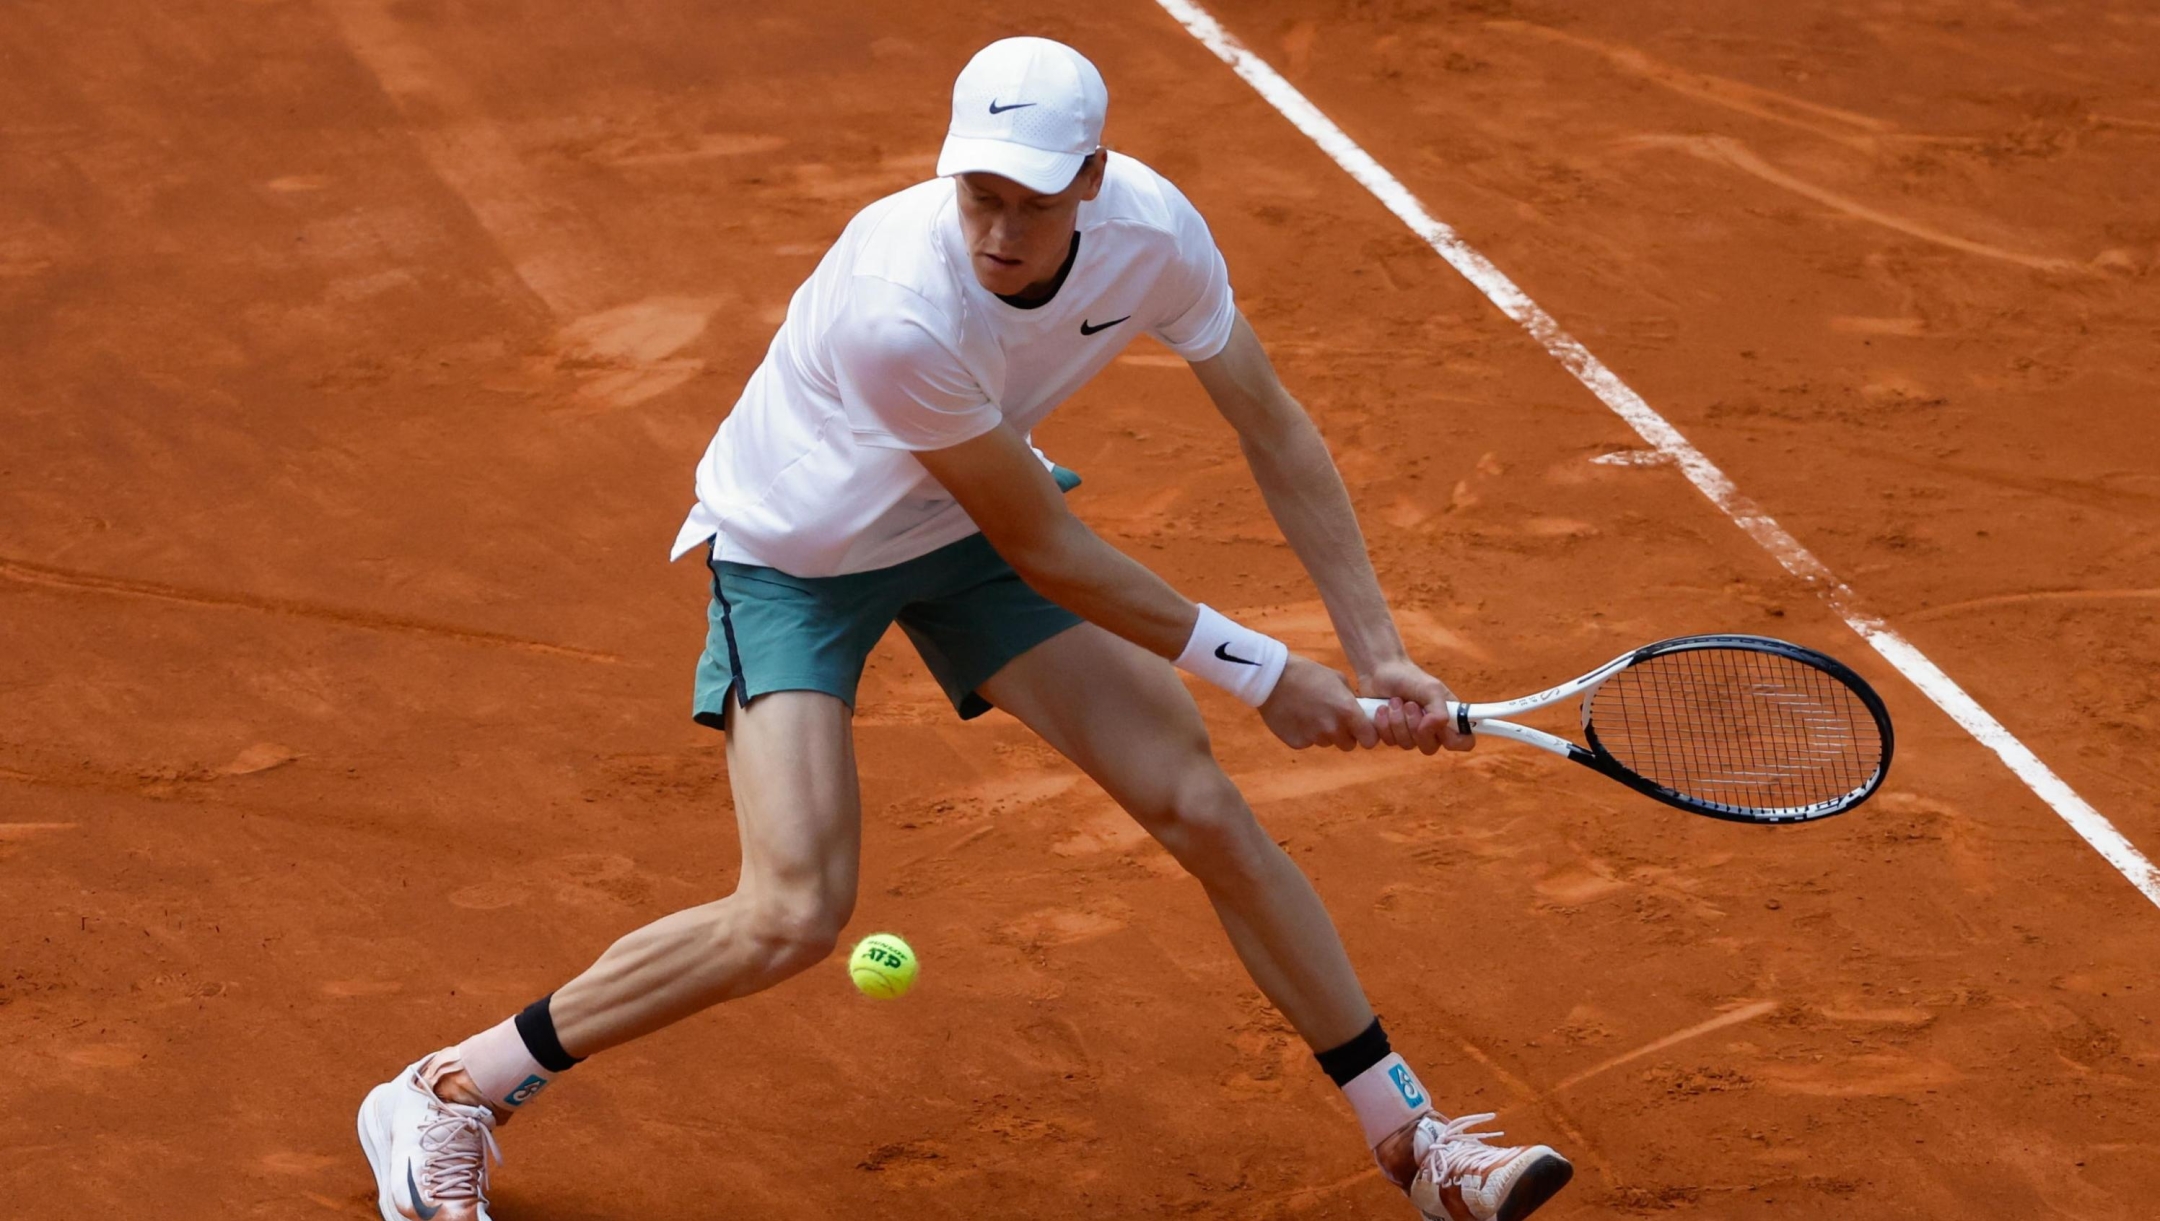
x: 1314, y: 706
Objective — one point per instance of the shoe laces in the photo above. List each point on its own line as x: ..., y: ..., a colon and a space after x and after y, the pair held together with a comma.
x: 458, y: 1144
x: 1451, y: 1150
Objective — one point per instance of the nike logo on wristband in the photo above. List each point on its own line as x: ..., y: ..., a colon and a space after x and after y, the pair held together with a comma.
x: 1222, y: 652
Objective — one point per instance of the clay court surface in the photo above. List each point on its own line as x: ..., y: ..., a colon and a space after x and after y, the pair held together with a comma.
x: 357, y: 355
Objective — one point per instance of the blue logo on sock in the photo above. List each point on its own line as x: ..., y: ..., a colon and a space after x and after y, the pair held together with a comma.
x: 530, y: 1086
x: 1406, y: 1084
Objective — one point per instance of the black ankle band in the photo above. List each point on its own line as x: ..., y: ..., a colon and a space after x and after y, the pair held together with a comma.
x: 537, y: 1028
x: 1344, y: 1064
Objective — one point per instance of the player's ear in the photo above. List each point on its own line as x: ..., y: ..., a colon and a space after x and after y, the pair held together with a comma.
x: 1091, y: 173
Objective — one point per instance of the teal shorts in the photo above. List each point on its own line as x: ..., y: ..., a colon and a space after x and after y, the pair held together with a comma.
x: 966, y: 610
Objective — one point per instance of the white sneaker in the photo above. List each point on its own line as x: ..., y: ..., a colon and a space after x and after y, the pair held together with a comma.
x: 1461, y: 1178
x: 430, y: 1157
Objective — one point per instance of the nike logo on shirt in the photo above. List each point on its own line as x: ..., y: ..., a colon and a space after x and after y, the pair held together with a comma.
x: 1223, y: 650
x: 997, y: 109
x: 1085, y: 329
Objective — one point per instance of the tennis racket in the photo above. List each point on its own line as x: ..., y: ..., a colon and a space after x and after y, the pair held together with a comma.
x: 1743, y: 728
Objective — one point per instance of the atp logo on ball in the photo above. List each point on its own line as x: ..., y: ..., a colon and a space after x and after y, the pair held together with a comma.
x: 882, y: 966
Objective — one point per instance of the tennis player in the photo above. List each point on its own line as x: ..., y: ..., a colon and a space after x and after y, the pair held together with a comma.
x: 878, y: 469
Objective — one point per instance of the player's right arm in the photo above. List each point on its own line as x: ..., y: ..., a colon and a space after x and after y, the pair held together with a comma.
x: 1004, y: 487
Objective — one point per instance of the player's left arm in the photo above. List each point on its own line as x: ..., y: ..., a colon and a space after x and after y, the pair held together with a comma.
x: 1306, y: 496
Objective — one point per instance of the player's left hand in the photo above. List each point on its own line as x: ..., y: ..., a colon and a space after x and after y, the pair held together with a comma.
x: 1312, y: 706
x: 1416, y: 713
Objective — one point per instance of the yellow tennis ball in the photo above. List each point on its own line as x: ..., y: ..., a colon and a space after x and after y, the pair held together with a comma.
x: 882, y: 966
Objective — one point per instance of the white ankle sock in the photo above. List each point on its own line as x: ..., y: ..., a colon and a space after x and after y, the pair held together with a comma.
x: 501, y: 1066
x: 1385, y: 1097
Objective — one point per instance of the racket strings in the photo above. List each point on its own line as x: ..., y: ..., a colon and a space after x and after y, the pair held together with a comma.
x: 1738, y: 728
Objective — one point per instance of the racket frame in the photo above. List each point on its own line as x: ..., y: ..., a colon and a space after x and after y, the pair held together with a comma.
x: 1488, y: 719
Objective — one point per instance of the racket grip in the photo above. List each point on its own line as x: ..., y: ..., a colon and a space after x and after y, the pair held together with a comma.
x: 1372, y: 707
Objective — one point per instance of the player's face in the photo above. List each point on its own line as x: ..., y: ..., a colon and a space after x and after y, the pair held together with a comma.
x: 1018, y: 238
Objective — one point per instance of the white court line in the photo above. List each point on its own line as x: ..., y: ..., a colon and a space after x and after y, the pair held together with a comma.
x: 1659, y: 432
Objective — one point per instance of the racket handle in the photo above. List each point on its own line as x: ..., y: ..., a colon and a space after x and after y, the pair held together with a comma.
x: 1372, y: 707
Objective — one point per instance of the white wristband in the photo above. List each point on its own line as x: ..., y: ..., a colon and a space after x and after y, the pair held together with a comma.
x: 1237, y: 659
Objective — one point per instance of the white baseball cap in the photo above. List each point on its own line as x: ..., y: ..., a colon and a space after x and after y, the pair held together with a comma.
x: 1027, y: 109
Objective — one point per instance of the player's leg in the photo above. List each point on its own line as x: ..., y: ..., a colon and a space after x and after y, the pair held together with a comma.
x: 791, y: 765
x: 783, y: 656
x: 1125, y: 718
x: 429, y: 1132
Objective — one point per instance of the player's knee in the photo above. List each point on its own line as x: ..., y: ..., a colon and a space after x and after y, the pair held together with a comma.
x: 798, y: 929
x: 1208, y: 827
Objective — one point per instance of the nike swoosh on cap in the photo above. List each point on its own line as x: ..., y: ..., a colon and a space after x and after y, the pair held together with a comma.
x: 1085, y: 329
x: 997, y: 109
x: 1223, y: 650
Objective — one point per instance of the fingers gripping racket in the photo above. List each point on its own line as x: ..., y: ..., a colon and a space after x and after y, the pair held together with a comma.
x: 1744, y: 728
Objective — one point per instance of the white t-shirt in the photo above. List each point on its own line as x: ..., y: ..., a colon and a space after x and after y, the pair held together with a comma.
x: 892, y: 346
